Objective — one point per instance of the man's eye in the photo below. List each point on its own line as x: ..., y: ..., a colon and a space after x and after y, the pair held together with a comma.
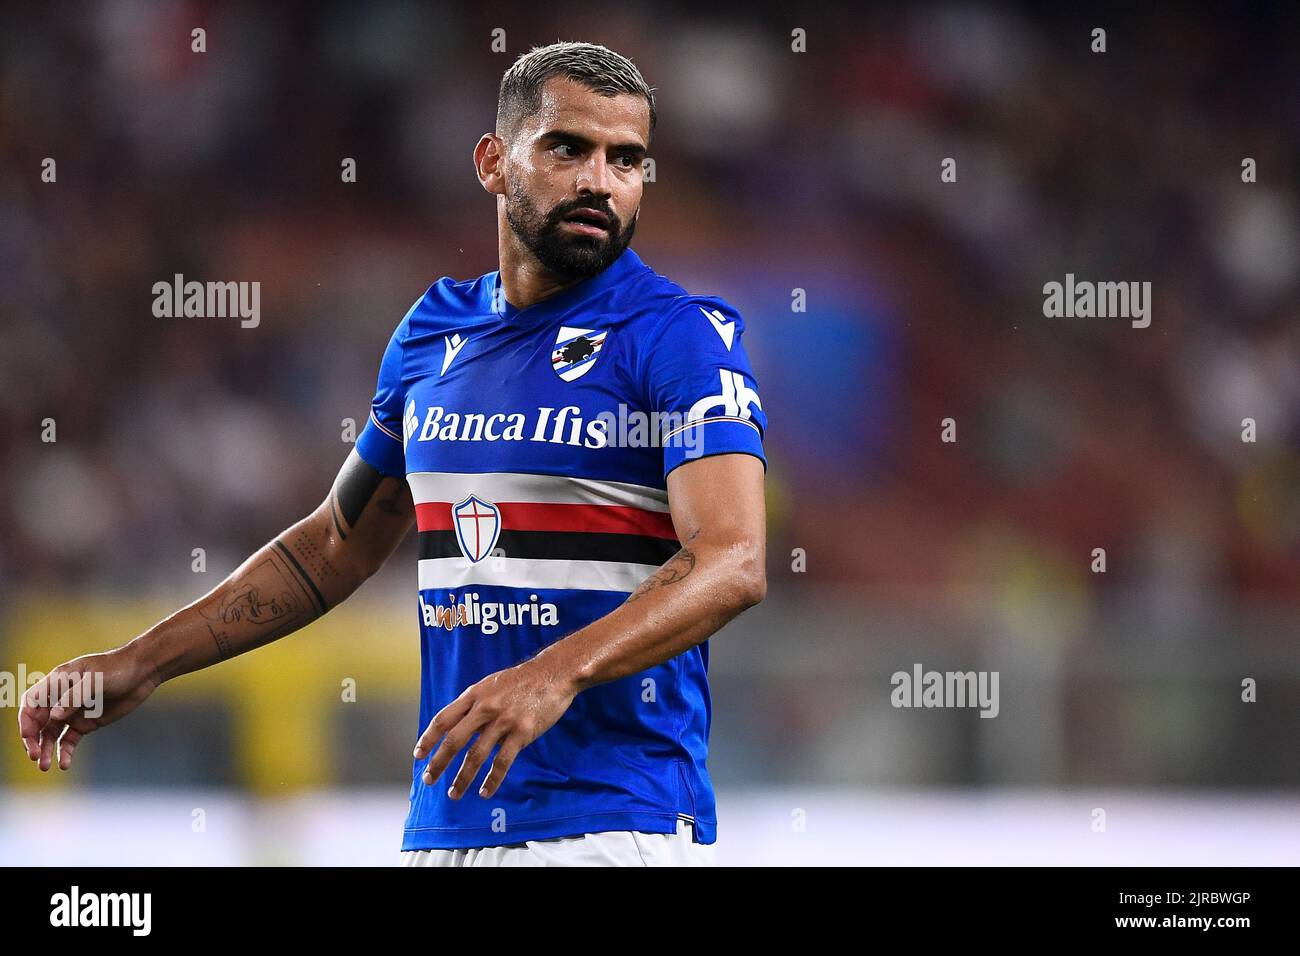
x: 627, y: 162
x: 564, y: 146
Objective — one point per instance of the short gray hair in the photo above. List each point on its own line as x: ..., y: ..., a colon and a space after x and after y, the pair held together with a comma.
x: 598, y: 68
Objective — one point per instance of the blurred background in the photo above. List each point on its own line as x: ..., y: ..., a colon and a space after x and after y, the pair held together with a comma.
x: 775, y: 172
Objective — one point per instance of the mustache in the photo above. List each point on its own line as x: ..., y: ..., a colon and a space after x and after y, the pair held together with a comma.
x: 559, y: 212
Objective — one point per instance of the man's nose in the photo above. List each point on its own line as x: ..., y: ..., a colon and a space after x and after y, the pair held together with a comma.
x: 594, y: 177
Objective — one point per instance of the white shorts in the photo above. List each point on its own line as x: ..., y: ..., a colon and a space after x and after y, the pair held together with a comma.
x: 610, y: 848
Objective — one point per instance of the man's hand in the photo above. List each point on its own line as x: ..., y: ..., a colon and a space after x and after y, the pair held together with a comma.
x: 510, y: 708
x: 80, y: 696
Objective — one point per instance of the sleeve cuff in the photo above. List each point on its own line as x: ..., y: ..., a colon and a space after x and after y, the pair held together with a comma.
x: 718, y: 435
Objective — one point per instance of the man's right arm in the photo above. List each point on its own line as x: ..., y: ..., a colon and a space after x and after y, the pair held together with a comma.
x: 305, y: 571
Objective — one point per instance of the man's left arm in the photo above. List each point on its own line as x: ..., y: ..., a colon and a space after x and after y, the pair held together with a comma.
x: 719, y: 516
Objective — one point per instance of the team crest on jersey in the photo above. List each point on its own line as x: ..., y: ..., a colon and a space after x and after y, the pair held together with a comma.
x: 478, y: 525
x: 576, y: 351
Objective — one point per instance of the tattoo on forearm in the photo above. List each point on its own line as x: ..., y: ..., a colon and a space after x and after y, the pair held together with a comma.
x: 301, y: 574
x: 677, y: 567
x: 257, y: 608
x: 223, y: 642
x: 286, y: 589
x: 314, y: 558
x: 248, y: 603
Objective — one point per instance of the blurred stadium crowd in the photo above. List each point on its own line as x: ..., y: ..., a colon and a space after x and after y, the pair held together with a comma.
x: 774, y: 172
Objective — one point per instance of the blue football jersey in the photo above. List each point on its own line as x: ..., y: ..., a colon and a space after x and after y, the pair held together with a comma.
x: 537, y: 443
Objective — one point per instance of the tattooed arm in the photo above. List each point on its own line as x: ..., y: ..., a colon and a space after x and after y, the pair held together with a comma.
x: 308, y: 569
x: 718, y: 513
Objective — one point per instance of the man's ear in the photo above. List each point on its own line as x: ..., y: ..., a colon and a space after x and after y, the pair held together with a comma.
x: 489, y: 160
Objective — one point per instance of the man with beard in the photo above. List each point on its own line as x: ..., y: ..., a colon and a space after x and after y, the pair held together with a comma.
x: 568, y: 581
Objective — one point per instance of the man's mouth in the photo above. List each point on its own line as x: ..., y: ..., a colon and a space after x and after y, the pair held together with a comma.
x: 590, y: 222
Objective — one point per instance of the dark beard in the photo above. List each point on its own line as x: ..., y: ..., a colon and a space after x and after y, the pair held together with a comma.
x: 564, y: 255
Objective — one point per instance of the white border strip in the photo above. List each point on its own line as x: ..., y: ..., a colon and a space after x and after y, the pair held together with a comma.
x: 429, y: 486
x: 533, y: 573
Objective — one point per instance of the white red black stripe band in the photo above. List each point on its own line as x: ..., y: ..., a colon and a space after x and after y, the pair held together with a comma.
x: 551, y: 531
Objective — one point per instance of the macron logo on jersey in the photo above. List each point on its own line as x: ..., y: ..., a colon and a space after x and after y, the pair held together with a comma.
x: 454, y: 344
x: 726, y: 328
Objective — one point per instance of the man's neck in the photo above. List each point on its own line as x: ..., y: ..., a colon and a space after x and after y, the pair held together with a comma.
x: 524, y: 280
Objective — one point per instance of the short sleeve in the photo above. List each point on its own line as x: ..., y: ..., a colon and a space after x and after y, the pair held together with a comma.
x: 380, y: 442
x: 699, y: 382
